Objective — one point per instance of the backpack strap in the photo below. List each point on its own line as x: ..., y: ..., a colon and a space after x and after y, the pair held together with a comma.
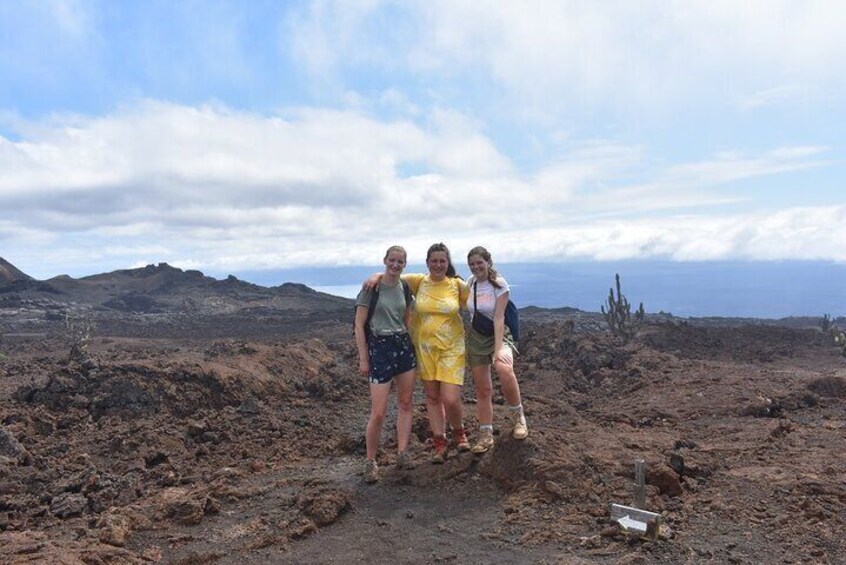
x: 406, y: 290
x: 475, y: 282
x: 374, y: 298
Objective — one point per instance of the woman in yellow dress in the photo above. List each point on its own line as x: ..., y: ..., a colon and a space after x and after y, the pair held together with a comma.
x: 438, y: 335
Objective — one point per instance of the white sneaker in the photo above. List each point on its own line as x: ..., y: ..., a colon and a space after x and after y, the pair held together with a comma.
x: 520, y: 429
x: 371, y: 471
x: 484, y: 443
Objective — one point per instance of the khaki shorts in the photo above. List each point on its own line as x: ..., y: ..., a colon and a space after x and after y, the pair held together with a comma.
x: 480, y: 348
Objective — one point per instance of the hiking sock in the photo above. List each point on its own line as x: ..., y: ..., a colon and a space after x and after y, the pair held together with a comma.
x: 518, y: 408
x: 486, y: 427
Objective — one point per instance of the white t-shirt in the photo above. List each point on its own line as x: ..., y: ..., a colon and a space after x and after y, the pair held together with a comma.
x: 486, y: 295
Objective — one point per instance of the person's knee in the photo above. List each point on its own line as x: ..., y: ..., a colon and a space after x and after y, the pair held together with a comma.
x: 504, y: 369
x: 484, y: 388
x: 451, y: 402
x: 405, y: 403
x: 378, y: 417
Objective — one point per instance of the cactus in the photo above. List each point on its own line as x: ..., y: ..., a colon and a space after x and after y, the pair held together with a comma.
x: 619, y: 315
x: 825, y: 323
x: 77, y: 336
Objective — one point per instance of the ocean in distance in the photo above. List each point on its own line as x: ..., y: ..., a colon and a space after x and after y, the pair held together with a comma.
x: 686, y: 289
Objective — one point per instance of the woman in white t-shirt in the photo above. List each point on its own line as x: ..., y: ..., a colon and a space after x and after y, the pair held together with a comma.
x: 489, y: 342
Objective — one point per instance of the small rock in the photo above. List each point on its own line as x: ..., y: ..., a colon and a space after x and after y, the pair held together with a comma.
x: 325, y: 506
x: 212, y: 506
x: 186, y: 510
x: 783, y: 428
x: 196, y: 429
x: 68, y: 504
x: 609, y: 531
x: 677, y: 463
x: 114, y: 529
x: 250, y: 406
x: 10, y: 447
x: 169, y: 479
x: 665, y: 478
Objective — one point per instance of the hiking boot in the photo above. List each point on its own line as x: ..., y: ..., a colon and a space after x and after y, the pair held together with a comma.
x: 404, y: 460
x: 371, y: 471
x: 459, y: 437
x: 520, y: 429
x: 440, y: 455
x: 484, y: 443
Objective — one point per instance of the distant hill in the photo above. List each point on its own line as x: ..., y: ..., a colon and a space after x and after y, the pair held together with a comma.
x: 162, y: 288
x: 10, y: 273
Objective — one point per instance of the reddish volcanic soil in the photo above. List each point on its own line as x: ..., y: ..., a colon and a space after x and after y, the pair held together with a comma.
x: 249, y: 449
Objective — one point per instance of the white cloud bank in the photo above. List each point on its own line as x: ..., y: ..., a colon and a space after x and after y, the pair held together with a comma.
x: 649, y: 55
x: 211, y: 187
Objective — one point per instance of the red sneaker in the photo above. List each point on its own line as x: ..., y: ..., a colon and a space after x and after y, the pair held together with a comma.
x: 459, y: 437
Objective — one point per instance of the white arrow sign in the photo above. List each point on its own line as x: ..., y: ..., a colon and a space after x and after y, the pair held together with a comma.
x: 630, y: 524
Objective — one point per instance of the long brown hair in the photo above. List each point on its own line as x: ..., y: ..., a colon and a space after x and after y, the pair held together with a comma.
x: 486, y: 255
x: 450, y: 272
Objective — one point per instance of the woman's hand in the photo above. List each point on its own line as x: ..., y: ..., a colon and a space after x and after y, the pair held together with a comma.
x: 364, y: 366
x: 373, y: 281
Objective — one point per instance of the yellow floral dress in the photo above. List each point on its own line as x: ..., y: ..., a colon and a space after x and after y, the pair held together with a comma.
x: 437, y: 329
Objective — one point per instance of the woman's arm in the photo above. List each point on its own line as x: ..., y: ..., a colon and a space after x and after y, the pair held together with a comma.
x: 361, y: 341
x: 407, y: 317
x: 499, y: 322
x: 372, y: 281
x: 464, y: 290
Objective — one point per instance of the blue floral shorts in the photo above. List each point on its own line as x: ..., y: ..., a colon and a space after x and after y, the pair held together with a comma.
x: 390, y: 355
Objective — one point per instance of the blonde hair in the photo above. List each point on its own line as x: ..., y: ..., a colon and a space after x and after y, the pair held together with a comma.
x: 398, y: 249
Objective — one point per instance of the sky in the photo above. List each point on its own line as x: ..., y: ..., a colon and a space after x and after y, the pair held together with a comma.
x: 230, y: 136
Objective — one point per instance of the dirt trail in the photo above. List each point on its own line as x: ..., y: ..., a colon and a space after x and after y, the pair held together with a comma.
x: 392, y: 522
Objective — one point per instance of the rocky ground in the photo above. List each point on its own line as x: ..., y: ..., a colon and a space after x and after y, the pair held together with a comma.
x: 237, y: 437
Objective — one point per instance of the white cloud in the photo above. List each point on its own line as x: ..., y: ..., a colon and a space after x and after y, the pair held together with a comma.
x: 238, y: 190
x: 794, y: 233
x: 71, y: 16
x: 785, y: 95
x: 551, y: 55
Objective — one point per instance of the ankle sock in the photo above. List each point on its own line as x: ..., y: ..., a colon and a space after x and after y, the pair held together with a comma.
x: 486, y: 428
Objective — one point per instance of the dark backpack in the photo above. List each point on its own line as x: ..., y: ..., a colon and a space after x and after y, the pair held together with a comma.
x: 484, y: 325
x: 374, y: 298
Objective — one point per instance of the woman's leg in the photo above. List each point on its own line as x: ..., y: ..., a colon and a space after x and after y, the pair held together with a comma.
x: 453, y: 406
x: 405, y: 407
x: 379, y: 394
x: 484, y: 393
x: 434, y: 408
x: 504, y: 365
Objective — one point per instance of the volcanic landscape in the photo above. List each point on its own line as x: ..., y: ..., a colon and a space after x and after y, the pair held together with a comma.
x: 157, y: 415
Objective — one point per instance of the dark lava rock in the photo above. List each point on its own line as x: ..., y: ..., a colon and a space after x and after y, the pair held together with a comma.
x: 68, y: 504
x: 10, y: 447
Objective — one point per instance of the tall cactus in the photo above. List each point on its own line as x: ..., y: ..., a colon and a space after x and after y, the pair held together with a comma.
x: 825, y: 323
x: 619, y: 315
